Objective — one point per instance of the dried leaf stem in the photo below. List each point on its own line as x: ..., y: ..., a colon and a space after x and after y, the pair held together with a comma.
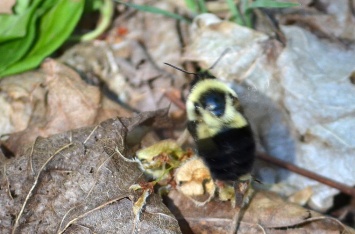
x: 298, y: 170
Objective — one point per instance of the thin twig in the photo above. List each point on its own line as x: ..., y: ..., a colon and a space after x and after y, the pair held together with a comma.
x: 332, y: 183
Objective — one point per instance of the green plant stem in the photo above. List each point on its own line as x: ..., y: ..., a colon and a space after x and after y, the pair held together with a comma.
x: 155, y: 10
x: 162, y: 176
x: 106, y: 13
x: 247, y: 13
x: 248, y: 6
x: 202, y: 6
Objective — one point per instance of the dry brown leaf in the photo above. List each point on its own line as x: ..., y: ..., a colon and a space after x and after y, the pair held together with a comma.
x: 301, y: 197
x: 326, y: 18
x: 157, y: 32
x: 320, y: 101
x: 79, y: 182
x: 50, y: 101
x: 297, y: 118
x: 135, y: 80
x: 18, y: 99
x: 267, y: 213
x: 132, y: 67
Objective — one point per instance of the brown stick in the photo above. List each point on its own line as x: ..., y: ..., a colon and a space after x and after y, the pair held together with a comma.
x: 332, y: 183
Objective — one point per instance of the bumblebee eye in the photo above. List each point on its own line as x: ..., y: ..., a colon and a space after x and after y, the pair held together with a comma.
x: 214, y: 102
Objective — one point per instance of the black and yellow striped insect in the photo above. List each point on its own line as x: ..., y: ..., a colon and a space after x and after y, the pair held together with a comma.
x: 222, y: 134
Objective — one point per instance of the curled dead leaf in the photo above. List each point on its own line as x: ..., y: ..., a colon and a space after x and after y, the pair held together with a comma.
x: 80, y: 181
x: 194, y: 180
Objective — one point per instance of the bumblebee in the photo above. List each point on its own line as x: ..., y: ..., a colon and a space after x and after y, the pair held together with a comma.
x: 222, y: 134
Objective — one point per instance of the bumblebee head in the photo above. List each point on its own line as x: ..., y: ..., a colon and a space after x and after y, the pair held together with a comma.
x: 215, y: 104
x: 212, y: 104
x: 205, y: 75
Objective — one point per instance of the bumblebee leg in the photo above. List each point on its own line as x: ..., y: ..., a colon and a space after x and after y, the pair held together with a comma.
x: 243, y: 190
x: 243, y: 193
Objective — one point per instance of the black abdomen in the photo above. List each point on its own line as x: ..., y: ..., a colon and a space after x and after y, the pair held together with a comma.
x: 229, y: 154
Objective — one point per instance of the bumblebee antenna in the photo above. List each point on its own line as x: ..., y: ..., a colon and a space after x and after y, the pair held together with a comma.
x: 191, y: 73
x: 219, y: 59
x: 211, y: 67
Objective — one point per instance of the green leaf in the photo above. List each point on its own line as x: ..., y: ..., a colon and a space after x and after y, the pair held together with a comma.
x: 15, y: 26
x: 191, y: 4
x: 202, y: 6
x: 55, y: 27
x: 93, y: 5
x: 13, y: 50
x: 106, y: 13
x: 21, y: 6
x: 196, y: 6
x: 45, y: 6
x: 17, y: 35
x: 235, y: 12
x: 155, y: 10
